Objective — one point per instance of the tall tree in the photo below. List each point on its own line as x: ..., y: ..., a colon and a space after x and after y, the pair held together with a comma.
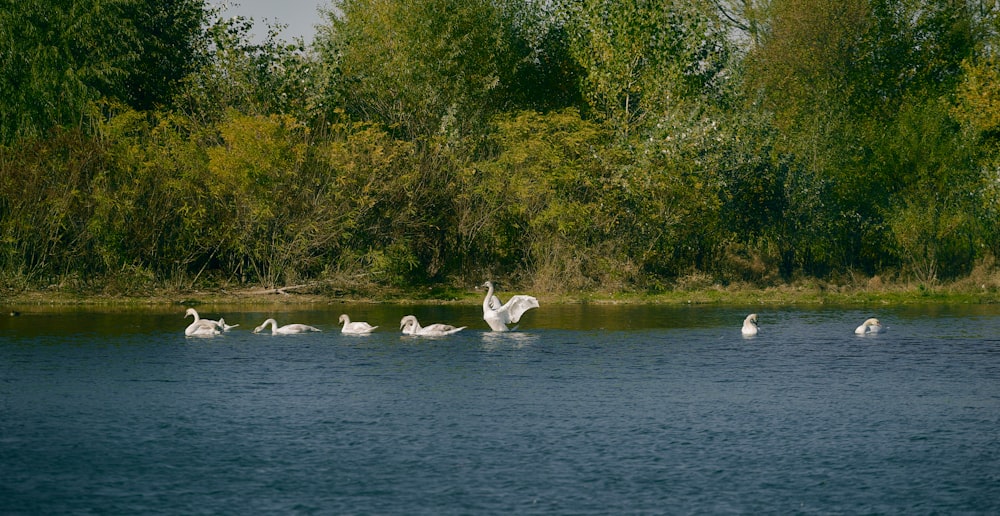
x: 170, y: 33
x: 235, y: 72
x: 639, y: 57
x: 835, y: 76
x: 420, y: 68
x: 58, y: 57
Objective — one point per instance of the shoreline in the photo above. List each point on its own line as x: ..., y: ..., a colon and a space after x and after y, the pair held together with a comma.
x: 784, y: 295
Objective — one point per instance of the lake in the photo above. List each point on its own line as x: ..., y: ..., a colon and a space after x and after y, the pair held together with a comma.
x: 586, y: 409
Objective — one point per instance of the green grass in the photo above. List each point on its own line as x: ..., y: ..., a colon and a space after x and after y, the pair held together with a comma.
x: 805, y: 294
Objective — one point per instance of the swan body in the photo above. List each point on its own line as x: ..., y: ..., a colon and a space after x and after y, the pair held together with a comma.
x: 410, y: 326
x: 869, y: 326
x: 498, y: 315
x: 750, y: 326
x: 355, y: 327
x: 201, y: 327
x: 287, y: 329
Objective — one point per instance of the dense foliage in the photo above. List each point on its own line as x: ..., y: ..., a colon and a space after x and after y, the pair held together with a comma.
x: 566, y: 144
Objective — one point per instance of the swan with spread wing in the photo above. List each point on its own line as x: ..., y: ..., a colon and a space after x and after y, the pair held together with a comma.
x: 498, y: 315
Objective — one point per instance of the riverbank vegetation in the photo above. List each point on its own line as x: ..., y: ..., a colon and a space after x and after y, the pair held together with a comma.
x: 568, y: 146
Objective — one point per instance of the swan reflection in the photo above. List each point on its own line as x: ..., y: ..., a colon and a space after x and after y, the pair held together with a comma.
x: 493, y: 340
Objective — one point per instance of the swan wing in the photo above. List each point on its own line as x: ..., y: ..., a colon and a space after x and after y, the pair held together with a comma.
x: 296, y: 328
x: 516, y: 306
x: 200, y: 328
x: 440, y: 329
x: 203, y: 327
x: 358, y: 327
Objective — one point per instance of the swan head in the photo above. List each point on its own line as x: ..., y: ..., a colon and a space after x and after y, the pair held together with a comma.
x: 752, y: 318
x: 407, y: 321
x: 190, y: 313
x: 263, y: 326
x: 871, y: 325
x: 343, y: 318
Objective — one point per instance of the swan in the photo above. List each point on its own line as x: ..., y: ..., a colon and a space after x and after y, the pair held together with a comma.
x: 355, y: 327
x: 869, y: 326
x: 498, y: 315
x: 410, y: 326
x: 287, y: 329
x: 201, y: 326
x: 224, y: 326
x: 750, y: 325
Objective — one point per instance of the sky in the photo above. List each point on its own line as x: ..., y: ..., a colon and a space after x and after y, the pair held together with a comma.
x: 299, y: 15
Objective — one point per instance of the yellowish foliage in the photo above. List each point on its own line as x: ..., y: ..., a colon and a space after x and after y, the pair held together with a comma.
x: 258, y: 150
x: 979, y: 95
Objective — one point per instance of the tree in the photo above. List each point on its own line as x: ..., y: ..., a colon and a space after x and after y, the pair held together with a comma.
x: 641, y: 57
x: 545, y: 75
x: 835, y: 76
x: 748, y: 18
x: 234, y: 72
x: 170, y: 33
x: 419, y: 68
x: 58, y: 58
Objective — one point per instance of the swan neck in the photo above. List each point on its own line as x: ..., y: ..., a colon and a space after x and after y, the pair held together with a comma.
x: 489, y: 294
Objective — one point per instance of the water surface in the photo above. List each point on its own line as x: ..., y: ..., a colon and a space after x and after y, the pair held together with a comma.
x: 585, y: 410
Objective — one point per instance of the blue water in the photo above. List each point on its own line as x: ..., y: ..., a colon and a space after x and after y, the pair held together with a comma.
x: 584, y: 410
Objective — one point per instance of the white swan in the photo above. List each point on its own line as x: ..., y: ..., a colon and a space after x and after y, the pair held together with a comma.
x: 201, y: 326
x: 224, y: 326
x: 750, y: 326
x: 287, y: 329
x: 869, y: 326
x: 355, y: 327
x: 498, y: 315
x: 410, y: 326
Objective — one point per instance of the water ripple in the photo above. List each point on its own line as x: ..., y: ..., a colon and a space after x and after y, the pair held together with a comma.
x: 675, y: 413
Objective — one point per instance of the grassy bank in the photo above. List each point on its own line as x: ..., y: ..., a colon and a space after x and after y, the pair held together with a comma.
x: 872, y: 292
